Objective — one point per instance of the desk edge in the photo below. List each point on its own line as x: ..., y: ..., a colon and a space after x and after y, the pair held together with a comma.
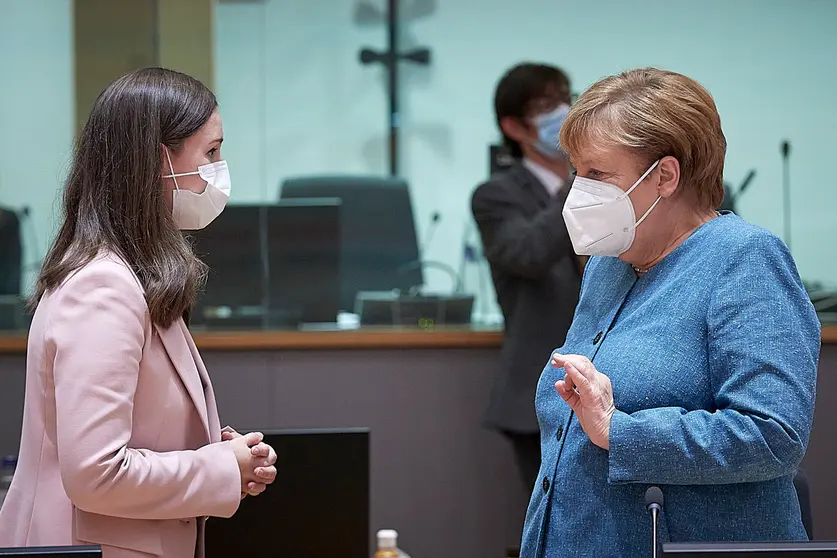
x: 341, y: 340
x: 320, y: 340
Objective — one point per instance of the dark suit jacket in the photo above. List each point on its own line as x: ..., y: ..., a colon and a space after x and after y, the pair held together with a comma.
x: 537, y: 277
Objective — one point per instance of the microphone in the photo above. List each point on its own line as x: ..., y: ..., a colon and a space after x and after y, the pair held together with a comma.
x: 654, y: 504
x: 435, y: 217
x: 749, y: 178
x: 785, y: 150
x: 422, y: 263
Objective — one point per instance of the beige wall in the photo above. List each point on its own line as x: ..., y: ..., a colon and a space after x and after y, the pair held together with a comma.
x: 187, y: 37
x: 114, y: 37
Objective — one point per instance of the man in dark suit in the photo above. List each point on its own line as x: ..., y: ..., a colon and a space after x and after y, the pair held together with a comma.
x: 536, y: 273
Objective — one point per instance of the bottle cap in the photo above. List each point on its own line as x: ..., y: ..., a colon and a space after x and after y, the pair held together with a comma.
x: 387, y: 538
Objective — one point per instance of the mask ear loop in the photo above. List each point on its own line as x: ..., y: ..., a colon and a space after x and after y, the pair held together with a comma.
x: 171, y: 168
x: 637, y: 183
x: 647, y: 213
x: 643, y: 177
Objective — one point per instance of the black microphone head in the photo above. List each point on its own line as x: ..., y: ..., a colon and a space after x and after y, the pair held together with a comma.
x: 435, y: 217
x: 785, y: 148
x: 653, y: 496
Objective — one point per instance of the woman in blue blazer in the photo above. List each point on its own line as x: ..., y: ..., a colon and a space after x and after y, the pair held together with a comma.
x: 691, y: 362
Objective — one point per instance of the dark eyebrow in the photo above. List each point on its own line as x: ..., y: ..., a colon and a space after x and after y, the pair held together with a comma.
x: 219, y: 141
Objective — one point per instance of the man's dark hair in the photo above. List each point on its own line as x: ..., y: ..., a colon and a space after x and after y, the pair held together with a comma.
x: 522, y: 88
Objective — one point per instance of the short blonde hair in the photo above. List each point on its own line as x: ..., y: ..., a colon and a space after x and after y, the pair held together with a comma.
x: 654, y: 113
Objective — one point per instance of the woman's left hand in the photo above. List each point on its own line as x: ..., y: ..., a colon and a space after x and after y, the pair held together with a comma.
x: 590, y: 395
x: 266, y: 472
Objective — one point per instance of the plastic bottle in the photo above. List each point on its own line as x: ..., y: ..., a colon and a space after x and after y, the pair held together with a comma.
x: 6, y: 473
x: 387, y: 544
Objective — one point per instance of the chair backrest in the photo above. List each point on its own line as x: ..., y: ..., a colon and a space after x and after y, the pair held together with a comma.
x: 11, y: 252
x: 378, y: 231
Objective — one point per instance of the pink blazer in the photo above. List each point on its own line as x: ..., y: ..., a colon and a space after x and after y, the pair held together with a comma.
x: 121, y: 442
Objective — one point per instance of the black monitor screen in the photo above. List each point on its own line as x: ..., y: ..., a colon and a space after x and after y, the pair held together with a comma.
x: 53, y: 552
x: 813, y: 549
x: 303, y: 250
x: 231, y: 246
x: 274, y: 265
x: 317, y: 508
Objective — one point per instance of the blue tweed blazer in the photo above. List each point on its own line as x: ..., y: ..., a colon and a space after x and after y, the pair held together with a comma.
x: 713, y: 359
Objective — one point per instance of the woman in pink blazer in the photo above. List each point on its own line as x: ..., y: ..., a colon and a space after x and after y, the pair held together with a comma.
x: 121, y: 443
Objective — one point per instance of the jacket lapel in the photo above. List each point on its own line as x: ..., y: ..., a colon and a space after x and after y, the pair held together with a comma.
x: 177, y: 347
x: 532, y: 185
x: 538, y: 192
x: 564, y: 192
x: 213, y: 420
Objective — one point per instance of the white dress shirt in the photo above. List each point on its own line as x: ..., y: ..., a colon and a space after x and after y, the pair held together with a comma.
x: 551, y: 181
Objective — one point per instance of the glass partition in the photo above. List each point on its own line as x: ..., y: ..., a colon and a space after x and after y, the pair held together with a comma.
x: 306, y: 101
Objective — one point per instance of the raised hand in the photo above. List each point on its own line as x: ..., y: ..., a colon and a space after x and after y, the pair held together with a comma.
x: 590, y: 395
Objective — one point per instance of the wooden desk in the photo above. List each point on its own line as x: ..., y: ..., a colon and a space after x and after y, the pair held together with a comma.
x: 373, y: 338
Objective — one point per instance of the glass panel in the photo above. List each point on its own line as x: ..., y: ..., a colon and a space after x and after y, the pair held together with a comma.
x: 298, y: 103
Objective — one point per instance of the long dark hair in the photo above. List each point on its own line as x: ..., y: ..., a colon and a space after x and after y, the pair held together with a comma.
x: 113, y: 197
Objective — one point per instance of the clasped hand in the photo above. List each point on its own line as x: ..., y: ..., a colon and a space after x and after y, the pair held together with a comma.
x: 255, y: 461
x: 590, y: 395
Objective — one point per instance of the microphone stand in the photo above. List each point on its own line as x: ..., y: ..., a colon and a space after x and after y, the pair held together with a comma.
x: 786, y: 190
x: 422, y: 263
x: 654, y: 504
x: 654, y: 512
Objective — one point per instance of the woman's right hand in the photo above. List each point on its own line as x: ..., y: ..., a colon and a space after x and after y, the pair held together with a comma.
x: 251, y: 483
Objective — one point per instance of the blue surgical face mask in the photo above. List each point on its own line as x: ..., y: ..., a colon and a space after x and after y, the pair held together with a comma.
x: 549, y: 127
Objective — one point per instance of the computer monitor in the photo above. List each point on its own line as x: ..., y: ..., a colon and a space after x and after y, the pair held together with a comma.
x: 274, y: 265
x: 92, y: 551
x: 317, y: 508
x: 232, y: 247
x: 303, y: 251
x: 807, y: 549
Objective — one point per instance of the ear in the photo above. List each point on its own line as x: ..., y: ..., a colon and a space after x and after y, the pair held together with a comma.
x: 516, y: 130
x: 669, y: 169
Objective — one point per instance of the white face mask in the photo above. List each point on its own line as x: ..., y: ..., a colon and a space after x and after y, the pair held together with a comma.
x: 600, y: 216
x: 192, y: 211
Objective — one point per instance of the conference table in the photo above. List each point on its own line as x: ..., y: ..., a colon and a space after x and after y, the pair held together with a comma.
x: 422, y: 394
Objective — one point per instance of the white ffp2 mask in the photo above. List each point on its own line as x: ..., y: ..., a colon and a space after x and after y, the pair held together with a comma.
x: 191, y: 211
x: 600, y: 216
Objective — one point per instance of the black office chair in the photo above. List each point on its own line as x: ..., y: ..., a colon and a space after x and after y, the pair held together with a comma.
x: 800, y: 482
x: 11, y: 268
x: 378, y: 231
x: 11, y: 253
